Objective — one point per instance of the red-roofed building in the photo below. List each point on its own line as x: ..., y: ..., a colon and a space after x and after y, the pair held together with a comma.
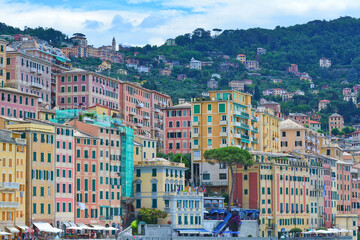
x: 323, y: 104
x: 315, y: 125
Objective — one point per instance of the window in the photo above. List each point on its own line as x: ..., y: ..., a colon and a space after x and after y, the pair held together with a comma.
x: 209, y: 107
x: 138, y: 172
x: 298, y: 133
x: 222, y: 176
x: 206, y: 176
x: 138, y: 203
x: 209, y: 142
x: 209, y: 119
x: 154, y: 187
x: 154, y: 172
x: 196, y: 109
x: 154, y: 203
x: 221, y: 107
x: 284, y: 134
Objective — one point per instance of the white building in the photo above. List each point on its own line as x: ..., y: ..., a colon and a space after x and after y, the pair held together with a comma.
x: 325, y: 62
x: 261, y: 51
x: 195, y: 64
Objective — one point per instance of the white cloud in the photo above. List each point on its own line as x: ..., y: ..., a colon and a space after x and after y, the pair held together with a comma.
x: 150, y: 25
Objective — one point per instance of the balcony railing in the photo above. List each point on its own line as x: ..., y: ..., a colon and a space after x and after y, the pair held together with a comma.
x: 39, y: 71
x: 147, y: 117
x: 9, y: 204
x: 20, y: 141
x: 139, y: 125
x: 33, y: 70
x: 140, y: 105
x: 36, y: 85
x: 223, y: 122
x: 132, y: 112
x: 223, y: 134
x: 9, y: 186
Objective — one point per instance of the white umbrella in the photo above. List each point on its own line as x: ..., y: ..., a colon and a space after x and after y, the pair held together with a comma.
x: 333, y: 230
x: 4, y: 233
x: 344, y: 230
x: 322, y: 231
x: 111, y: 229
x: 75, y: 228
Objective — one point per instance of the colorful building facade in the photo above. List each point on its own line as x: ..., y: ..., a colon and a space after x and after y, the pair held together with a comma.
x: 178, y: 129
x: 227, y: 119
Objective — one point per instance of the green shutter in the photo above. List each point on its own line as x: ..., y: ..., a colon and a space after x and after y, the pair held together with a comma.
x: 196, y: 109
x: 221, y: 107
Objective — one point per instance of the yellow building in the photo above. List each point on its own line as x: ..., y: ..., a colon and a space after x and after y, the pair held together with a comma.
x: 12, y: 183
x: 3, y: 44
x: 277, y: 184
x: 102, y: 110
x: 269, y: 130
x: 155, y: 178
x: 104, y: 66
x: 45, y: 114
x: 39, y: 193
x: 144, y: 148
x: 227, y: 119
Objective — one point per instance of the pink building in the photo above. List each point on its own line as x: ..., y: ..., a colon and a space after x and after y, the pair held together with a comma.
x: 293, y: 68
x: 328, y: 196
x: 346, y: 91
x: 356, y: 87
x: 18, y: 104
x: 100, y: 183
x: 81, y: 88
x: 178, y: 128
x: 65, y: 172
x: 141, y: 108
x: 87, y: 167
x: 29, y: 74
x: 345, y: 183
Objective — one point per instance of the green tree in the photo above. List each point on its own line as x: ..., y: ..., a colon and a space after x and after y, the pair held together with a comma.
x: 150, y: 215
x: 335, y: 131
x: 348, y: 130
x: 230, y: 157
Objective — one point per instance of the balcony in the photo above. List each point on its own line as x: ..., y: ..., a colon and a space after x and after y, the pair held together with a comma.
x: 223, y: 145
x: 139, y: 105
x: 254, y: 129
x: 237, y: 135
x: 9, y: 204
x: 139, y: 125
x: 36, y: 85
x: 157, y: 129
x: 195, y: 146
x: 147, y: 117
x: 242, y: 114
x: 255, y: 140
x: 195, y: 123
x: 1, y: 65
x: 195, y: 134
x: 106, y: 218
x: 197, y: 158
x: 157, y: 110
x: 33, y: 70
x: 243, y: 125
x: 216, y: 183
x: 223, y: 134
x: 20, y: 141
x: 40, y: 100
x: 133, y: 113
x: 39, y: 71
x: 9, y: 186
x: 223, y: 122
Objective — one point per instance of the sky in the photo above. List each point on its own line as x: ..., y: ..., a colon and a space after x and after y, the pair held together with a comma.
x: 140, y: 22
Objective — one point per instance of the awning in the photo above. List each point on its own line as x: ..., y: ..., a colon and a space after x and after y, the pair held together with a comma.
x: 61, y: 59
x: 111, y: 229
x: 83, y: 226
x: 22, y: 227
x: 4, y: 233
x: 97, y: 227
x: 213, y: 211
x: 221, y: 211
x: 46, y: 227
x: 13, y: 229
x: 192, y: 231
x: 75, y: 228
